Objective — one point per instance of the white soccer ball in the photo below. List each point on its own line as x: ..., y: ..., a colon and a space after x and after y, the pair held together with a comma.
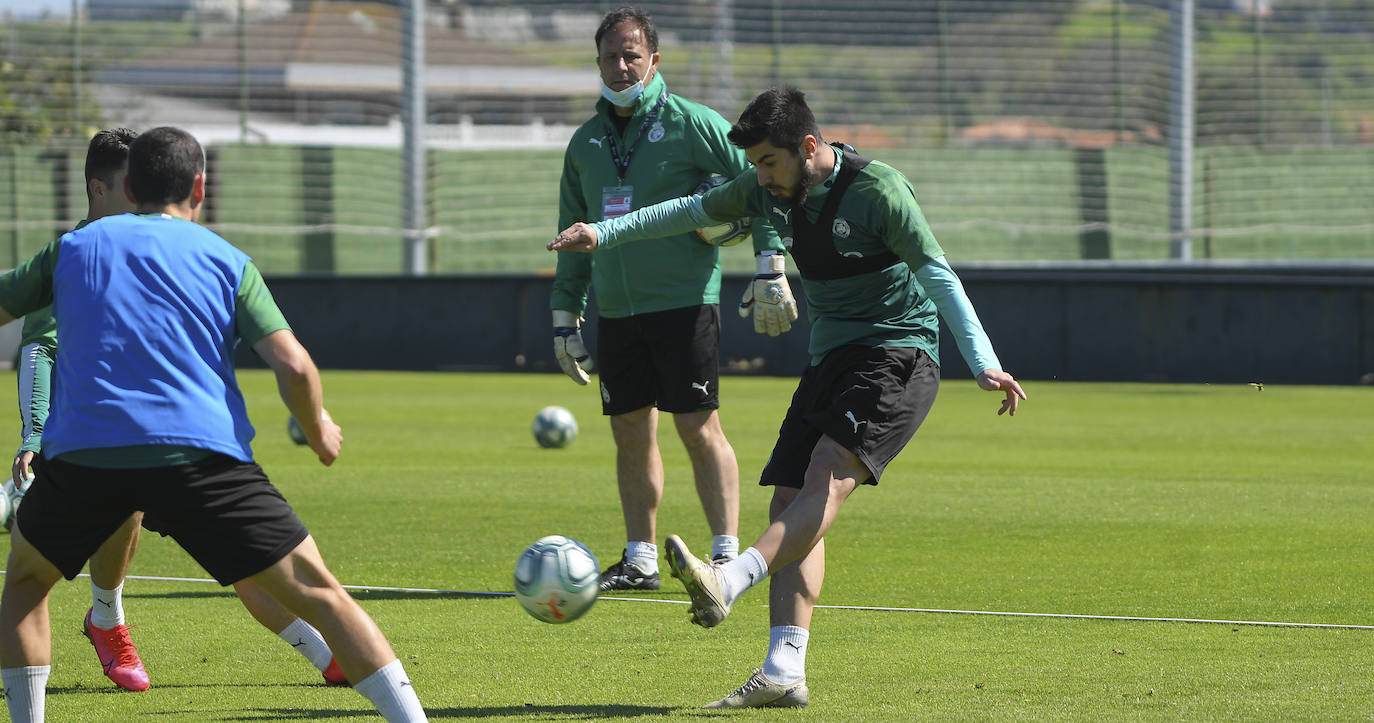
x: 7, y: 509
x: 726, y: 234
x: 556, y: 579
x: 554, y: 427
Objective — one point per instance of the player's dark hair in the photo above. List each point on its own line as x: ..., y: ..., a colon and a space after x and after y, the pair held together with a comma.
x: 107, y: 154
x: 640, y: 18
x: 163, y: 165
x: 780, y: 117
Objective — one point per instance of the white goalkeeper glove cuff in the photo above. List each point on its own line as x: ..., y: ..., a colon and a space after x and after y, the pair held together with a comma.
x: 568, y: 348
x: 769, y: 297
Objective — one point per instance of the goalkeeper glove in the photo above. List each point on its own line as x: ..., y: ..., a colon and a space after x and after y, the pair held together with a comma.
x: 769, y: 296
x: 568, y: 347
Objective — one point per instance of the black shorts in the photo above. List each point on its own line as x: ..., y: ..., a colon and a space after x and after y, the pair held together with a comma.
x: 669, y: 359
x: 869, y: 399
x: 224, y: 512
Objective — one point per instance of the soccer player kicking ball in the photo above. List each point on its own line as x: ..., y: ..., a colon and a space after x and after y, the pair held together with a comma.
x: 107, y: 161
x: 150, y: 418
x: 659, y: 322
x: 874, y: 279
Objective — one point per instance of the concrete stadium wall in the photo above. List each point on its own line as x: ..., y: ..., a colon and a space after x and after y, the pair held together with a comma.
x: 1078, y: 322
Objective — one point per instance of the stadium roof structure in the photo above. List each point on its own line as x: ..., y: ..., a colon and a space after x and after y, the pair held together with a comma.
x: 301, y: 64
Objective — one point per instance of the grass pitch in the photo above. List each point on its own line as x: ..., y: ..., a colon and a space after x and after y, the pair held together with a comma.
x: 1127, y: 500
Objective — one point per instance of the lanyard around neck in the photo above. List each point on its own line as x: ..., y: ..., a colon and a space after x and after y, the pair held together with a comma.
x: 622, y: 164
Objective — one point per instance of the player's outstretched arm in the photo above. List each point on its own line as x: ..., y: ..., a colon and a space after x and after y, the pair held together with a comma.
x: 298, y: 382
x: 666, y: 218
x: 994, y: 380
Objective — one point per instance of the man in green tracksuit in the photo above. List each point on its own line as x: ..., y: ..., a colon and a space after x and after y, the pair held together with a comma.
x: 659, y: 325
x: 875, y: 278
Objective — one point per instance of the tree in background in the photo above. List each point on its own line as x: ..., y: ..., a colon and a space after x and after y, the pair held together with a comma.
x: 39, y: 101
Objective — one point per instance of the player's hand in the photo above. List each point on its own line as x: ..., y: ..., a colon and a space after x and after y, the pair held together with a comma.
x: 993, y: 380
x: 577, y: 237
x: 568, y: 348
x: 20, y: 472
x: 328, y: 443
x: 769, y: 297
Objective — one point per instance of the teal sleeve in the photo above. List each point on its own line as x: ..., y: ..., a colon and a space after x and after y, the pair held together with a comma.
x: 35, y: 393
x: 674, y: 216
x: 24, y: 291
x: 255, y: 311
x: 944, y: 288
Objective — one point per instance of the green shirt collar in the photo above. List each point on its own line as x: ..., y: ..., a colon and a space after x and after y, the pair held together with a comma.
x: 823, y: 188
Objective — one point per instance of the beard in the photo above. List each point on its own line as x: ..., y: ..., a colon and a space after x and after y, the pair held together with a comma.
x: 797, y: 197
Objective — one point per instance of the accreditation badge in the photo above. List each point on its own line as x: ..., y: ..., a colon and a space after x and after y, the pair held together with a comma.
x: 616, y: 201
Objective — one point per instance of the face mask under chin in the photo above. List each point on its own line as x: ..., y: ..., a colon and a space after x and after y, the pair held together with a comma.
x: 622, y: 98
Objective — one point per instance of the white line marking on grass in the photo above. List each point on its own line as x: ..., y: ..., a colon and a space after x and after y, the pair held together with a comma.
x: 645, y: 599
x: 869, y: 608
x: 1075, y: 616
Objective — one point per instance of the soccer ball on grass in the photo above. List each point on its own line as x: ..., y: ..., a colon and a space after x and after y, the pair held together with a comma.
x: 554, y: 427
x: 556, y: 579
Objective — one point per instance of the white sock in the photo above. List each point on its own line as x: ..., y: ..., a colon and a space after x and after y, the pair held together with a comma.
x: 786, y: 661
x: 726, y: 546
x: 107, y: 606
x: 25, y: 690
x: 643, y: 554
x: 742, y: 573
x: 308, y: 642
x: 390, y: 690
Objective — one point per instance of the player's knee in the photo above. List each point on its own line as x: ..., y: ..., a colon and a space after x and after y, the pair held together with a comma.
x: 317, y: 602
x: 699, y: 439
x: 699, y: 430
x: 633, y: 430
x: 826, y: 481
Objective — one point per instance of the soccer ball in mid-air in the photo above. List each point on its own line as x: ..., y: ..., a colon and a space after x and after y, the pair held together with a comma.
x: 554, y: 427
x: 725, y: 234
x: 556, y: 579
